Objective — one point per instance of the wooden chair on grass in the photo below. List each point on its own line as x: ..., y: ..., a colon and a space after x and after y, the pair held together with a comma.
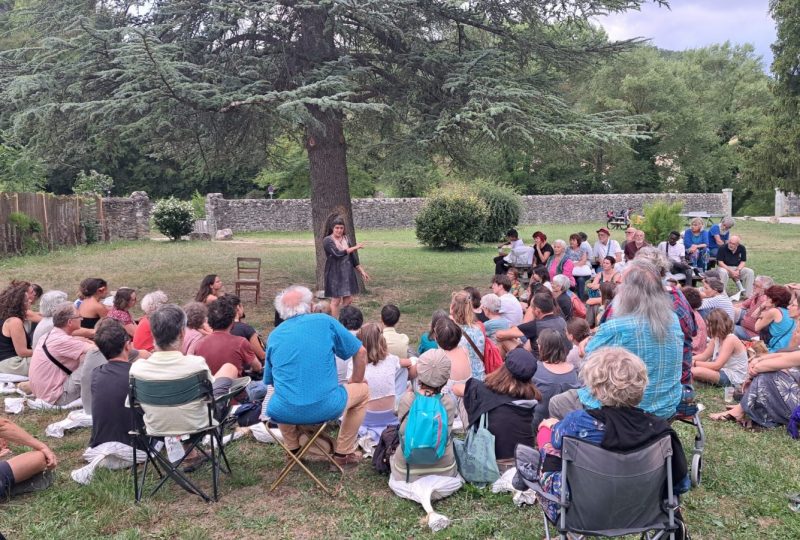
x: 248, y: 275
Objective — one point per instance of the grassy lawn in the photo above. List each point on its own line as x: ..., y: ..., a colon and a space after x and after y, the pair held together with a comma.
x: 746, y: 475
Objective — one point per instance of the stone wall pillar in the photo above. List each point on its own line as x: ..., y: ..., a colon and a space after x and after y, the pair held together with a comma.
x: 728, y: 193
x: 780, y: 203
x: 212, y: 200
x: 142, y: 209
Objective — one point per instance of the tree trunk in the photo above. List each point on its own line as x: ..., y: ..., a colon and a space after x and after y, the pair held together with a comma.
x: 330, y: 188
x: 324, y: 137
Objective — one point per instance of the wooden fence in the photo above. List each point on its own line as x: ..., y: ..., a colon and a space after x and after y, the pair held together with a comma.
x: 59, y: 215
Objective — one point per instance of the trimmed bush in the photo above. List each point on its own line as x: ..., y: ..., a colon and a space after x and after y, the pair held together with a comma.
x: 505, y: 209
x: 659, y: 219
x: 451, y: 218
x: 173, y: 218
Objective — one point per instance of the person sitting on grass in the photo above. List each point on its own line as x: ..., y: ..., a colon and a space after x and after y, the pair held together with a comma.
x: 748, y: 311
x: 15, y: 355
x: 395, y: 341
x: 92, y: 309
x: 473, y: 340
x: 27, y: 472
x: 541, y: 317
x: 554, y: 375
x: 714, y: 297
x: 244, y: 330
x: 517, y: 289
x: 490, y: 303
x: 676, y: 253
x: 509, y: 397
x: 221, y: 347
x: 47, y: 304
x: 427, y: 340
x: 109, y: 384
x: 615, y: 378
x: 475, y: 296
x: 694, y: 299
x: 718, y: 235
x: 301, y: 366
x: 352, y: 319
x: 510, y: 308
x: 57, y: 361
x: 419, y: 482
x: 143, y: 337
x: 577, y: 331
x: 210, y: 289
x: 775, y: 320
x: 124, y: 300
x: 196, y: 326
x: 724, y: 361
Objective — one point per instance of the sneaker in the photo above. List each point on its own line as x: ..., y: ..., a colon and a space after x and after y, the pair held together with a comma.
x: 348, y: 461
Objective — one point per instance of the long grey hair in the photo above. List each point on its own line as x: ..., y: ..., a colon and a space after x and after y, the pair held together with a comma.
x: 642, y: 295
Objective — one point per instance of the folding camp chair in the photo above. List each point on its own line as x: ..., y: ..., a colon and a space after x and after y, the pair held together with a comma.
x: 248, y: 275
x: 173, y: 393
x: 610, y: 493
x: 295, y: 458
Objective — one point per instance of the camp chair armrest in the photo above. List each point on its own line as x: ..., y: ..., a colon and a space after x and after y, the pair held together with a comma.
x: 552, y: 498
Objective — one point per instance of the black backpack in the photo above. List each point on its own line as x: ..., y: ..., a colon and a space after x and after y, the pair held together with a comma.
x: 386, y: 447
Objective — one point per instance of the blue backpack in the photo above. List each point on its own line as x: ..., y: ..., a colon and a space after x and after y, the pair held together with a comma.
x: 425, y: 439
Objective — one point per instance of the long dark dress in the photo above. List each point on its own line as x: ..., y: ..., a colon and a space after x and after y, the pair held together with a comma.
x: 340, y: 270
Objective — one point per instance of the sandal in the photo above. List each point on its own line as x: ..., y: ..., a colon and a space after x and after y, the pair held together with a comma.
x: 723, y: 417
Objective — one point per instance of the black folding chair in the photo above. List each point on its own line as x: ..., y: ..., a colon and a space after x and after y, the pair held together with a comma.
x: 173, y: 393
x: 610, y: 493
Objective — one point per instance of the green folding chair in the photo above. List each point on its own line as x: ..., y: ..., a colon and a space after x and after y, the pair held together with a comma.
x: 173, y: 393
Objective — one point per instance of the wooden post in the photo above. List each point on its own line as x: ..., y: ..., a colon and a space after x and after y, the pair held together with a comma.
x: 78, y: 235
x: 101, y: 217
x: 16, y: 202
x: 46, y: 224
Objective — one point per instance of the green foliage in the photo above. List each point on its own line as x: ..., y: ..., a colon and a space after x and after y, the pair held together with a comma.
x: 94, y: 183
x: 29, y: 231
x: 19, y: 172
x: 290, y: 174
x: 173, y: 218
x: 504, y: 207
x: 199, y: 205
x: 659, y: 219
x: 452, y: 217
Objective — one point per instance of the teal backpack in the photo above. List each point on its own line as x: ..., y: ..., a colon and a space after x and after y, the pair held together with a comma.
x: 425, y: 439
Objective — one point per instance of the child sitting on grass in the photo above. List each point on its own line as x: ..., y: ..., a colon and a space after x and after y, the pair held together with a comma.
x: 724, y: 361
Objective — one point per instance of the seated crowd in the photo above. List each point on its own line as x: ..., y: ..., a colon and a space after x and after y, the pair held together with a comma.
x: 600, y: 344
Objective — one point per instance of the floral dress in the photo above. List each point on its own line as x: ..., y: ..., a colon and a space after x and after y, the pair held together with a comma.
x: 476, y: 364
x: 772, y: 397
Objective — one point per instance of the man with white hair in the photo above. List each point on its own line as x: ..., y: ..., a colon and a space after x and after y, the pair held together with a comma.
x: 301, y: 366
x: 732, y: 261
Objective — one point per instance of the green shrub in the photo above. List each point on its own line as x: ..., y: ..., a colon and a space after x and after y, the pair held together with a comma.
x: 452, y: 217
x: 29, y: 231
x: 659, y: 219
x: 173, y: 218
x: 199, y: 205
x: 505, y: 209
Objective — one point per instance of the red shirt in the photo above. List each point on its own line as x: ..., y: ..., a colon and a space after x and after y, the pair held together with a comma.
x: 143, y: 337
x: 222, y: 347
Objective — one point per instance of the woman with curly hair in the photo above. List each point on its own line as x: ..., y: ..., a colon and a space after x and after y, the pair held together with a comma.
x: 15, y: 355
x: 210, y: 289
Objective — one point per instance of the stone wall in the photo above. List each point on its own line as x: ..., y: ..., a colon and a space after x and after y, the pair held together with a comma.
x: 127, y: 218
x: 295, y: 214
x: 791, y: 205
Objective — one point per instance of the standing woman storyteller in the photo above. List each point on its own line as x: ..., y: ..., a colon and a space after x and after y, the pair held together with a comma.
x: 341, y: 264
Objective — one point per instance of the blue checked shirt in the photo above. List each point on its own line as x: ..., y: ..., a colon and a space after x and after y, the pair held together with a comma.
x: 663, y: 361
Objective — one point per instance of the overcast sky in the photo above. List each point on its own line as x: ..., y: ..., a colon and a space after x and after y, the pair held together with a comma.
x: 690, y: 24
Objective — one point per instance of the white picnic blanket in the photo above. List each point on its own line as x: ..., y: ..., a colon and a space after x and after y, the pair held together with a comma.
x: 11, y: 378
x: 111, y: 455
x: 75, y: 419
x: 17, y: 405
x: 428, y: 489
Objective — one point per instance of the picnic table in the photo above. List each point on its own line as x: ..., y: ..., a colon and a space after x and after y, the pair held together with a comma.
x: 706, y: 216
